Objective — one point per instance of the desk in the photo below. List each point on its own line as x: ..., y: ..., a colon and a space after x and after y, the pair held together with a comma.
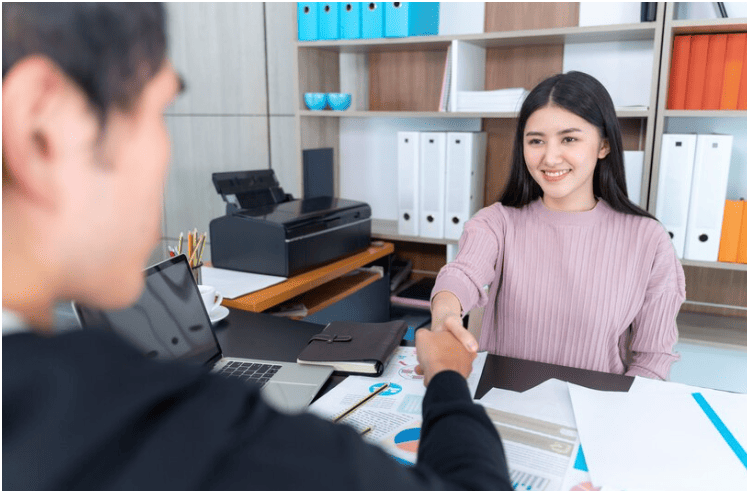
x: 320, y: 287
x: 263, y: 336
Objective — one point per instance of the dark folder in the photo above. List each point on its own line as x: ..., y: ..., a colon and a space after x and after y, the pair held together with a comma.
x: 353, y: 347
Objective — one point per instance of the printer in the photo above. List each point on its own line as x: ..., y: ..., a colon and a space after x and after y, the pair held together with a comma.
x: 269, y: 232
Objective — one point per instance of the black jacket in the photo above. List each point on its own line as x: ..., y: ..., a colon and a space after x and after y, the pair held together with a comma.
x: 84, y: 410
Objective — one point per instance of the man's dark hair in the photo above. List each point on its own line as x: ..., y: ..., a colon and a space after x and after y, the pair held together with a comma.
x: 111, y: 50
x: 587, y: 98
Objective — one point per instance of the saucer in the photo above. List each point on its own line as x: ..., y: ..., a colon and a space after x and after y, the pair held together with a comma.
x: 218, y: 314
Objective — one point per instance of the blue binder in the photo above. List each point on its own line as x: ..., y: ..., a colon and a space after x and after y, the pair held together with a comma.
x: 372, y: 20
x: 411, y: 19
x: 350, y: 20
x: 328, y: 22
x: 306, y: 16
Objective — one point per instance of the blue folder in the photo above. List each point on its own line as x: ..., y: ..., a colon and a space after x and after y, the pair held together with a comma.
x: 306, y: 16
x: 350, y: 20
x: 373, y: 20
x: 328, y: 22
x: 411, y: 19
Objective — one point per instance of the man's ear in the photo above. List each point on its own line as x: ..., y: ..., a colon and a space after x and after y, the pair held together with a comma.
x: 34, y: 100
x: 605, y: 149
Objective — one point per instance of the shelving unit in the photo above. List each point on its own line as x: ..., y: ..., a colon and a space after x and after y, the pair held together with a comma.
x: 704, y: 279
x: 400, y: 80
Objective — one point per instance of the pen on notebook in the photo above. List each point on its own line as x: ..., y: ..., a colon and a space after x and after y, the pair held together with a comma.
x: 359, y: 403
x: 366, y: 430
x: 179, y: 247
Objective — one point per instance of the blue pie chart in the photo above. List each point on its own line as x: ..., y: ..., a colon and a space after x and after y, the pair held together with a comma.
x: 392, y: 389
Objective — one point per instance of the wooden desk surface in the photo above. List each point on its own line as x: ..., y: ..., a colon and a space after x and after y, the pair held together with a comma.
x: 273, y: 295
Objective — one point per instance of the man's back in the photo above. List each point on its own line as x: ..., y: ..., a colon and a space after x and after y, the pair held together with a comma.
x: 85, y: 411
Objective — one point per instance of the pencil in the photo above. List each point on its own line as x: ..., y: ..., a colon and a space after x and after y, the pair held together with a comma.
x: 359, y: 403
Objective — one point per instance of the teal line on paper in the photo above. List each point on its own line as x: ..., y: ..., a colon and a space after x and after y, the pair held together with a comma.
x: 722, y: 429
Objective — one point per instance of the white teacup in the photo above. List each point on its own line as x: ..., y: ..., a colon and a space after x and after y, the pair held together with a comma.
x: 211, y: 298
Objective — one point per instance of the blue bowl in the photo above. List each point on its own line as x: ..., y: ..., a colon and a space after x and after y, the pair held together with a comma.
x: 314, y: 100
x: 339, y: 100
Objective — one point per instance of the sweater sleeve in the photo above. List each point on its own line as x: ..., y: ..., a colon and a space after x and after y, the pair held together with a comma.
x: 479, y: 248
x: 654, y: 329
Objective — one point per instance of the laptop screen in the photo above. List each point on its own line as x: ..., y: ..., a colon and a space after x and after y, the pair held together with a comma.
x: 169, y: 321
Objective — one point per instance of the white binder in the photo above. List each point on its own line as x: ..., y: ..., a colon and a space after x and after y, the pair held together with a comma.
x: 433, y: 147
x: 633, y: 161
x: 464, y: 180
x: 674, y: 184
x: 408, y: 183
x: 712, y: 159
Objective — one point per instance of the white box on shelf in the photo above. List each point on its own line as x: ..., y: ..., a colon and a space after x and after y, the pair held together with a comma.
x: 468, y: 70
x: 433, y: 148
x: 707, y: 199
x: 605, y: 13
x: 464, y: 181
x: 408, y: 183
x: 674, y: 184
x: 461, y: 18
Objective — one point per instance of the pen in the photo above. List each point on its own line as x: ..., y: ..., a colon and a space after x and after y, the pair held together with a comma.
x: 179, y: 248
x: 365, y: 431
x: 359, y: 403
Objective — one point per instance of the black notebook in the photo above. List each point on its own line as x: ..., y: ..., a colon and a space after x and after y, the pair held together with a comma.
x: 354, y: 347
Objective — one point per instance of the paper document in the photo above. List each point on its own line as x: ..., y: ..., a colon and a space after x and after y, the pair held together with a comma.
x: 233, y: 283
x: 661, y: 440
x: 540, y: 438
x: 396, y: 406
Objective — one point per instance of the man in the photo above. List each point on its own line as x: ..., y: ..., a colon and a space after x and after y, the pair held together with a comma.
x: 85, y: 152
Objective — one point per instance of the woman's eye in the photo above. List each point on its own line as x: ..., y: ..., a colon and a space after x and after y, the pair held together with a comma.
x: 534, y: 142
x: 569, y: 139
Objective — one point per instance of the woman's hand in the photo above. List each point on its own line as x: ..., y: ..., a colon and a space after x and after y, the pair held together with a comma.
x: 446, y: 317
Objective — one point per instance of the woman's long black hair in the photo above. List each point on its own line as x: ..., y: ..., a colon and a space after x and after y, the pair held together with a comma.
x: 584, y: 96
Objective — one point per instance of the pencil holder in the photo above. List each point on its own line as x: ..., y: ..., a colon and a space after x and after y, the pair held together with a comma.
x: 196, y: 273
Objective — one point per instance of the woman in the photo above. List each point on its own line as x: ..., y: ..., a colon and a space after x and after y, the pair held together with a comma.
x: 577, y: 274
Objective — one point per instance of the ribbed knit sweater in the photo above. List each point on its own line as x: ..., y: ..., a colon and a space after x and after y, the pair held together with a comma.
x: 565, y: 287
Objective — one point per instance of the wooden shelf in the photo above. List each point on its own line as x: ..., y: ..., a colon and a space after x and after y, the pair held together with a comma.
x: 439, y: 114
x: 712, y: 330
x: 294, y: 286
x: 714, y: 265
x: 334, y: 291
x: 529, y: 37
x: 705, y: 113
x: 709, y: 26
x: 388, y: 230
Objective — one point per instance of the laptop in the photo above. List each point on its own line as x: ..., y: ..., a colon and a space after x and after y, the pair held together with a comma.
x: 170, y: 322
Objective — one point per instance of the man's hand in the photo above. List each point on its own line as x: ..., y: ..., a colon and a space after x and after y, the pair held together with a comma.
x: 439, y: 351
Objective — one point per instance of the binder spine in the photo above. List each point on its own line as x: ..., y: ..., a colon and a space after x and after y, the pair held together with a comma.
x: 466, y: 153
x: 329, y: 22
x: 373, y: 20
x: 350, y: 16
x: 307, y: 21
x: 707, y: 197
x: 674, y: 184
x: 432, y: 182
x: 408, y: 183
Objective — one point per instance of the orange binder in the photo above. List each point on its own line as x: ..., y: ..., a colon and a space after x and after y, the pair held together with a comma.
x: 716, y: 62
x: 741, y: 258
x: 742, y: 86
x: 677, y: 82
x: 696, y: 72
x: 735, y: 51
x: 729, y: 234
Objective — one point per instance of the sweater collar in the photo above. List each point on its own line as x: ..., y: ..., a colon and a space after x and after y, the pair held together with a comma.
x: 562, y: 218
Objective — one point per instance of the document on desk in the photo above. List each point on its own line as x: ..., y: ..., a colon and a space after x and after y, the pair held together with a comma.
x: 539, y: 435
x: 662, y: 436
x: 233, y: 283
x: 397, y: 406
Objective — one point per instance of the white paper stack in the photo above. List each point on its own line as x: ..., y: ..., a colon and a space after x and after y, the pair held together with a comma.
x: 485, y: 101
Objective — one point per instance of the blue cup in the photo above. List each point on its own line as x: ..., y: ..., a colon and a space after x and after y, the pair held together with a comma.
x: 339, y: 101
x: 315, y: 100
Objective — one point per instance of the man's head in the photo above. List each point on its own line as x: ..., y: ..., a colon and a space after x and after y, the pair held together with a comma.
x: 85, y: 147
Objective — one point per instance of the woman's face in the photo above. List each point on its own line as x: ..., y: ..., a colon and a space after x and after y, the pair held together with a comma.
x: 561, y: 150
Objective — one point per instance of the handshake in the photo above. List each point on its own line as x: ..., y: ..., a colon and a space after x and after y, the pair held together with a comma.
x: 440, y: 350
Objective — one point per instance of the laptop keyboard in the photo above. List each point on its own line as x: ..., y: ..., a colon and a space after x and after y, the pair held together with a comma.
x: 249, y: 372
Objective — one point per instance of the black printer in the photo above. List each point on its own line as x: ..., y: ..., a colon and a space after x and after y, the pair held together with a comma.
x: 269, y: 232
